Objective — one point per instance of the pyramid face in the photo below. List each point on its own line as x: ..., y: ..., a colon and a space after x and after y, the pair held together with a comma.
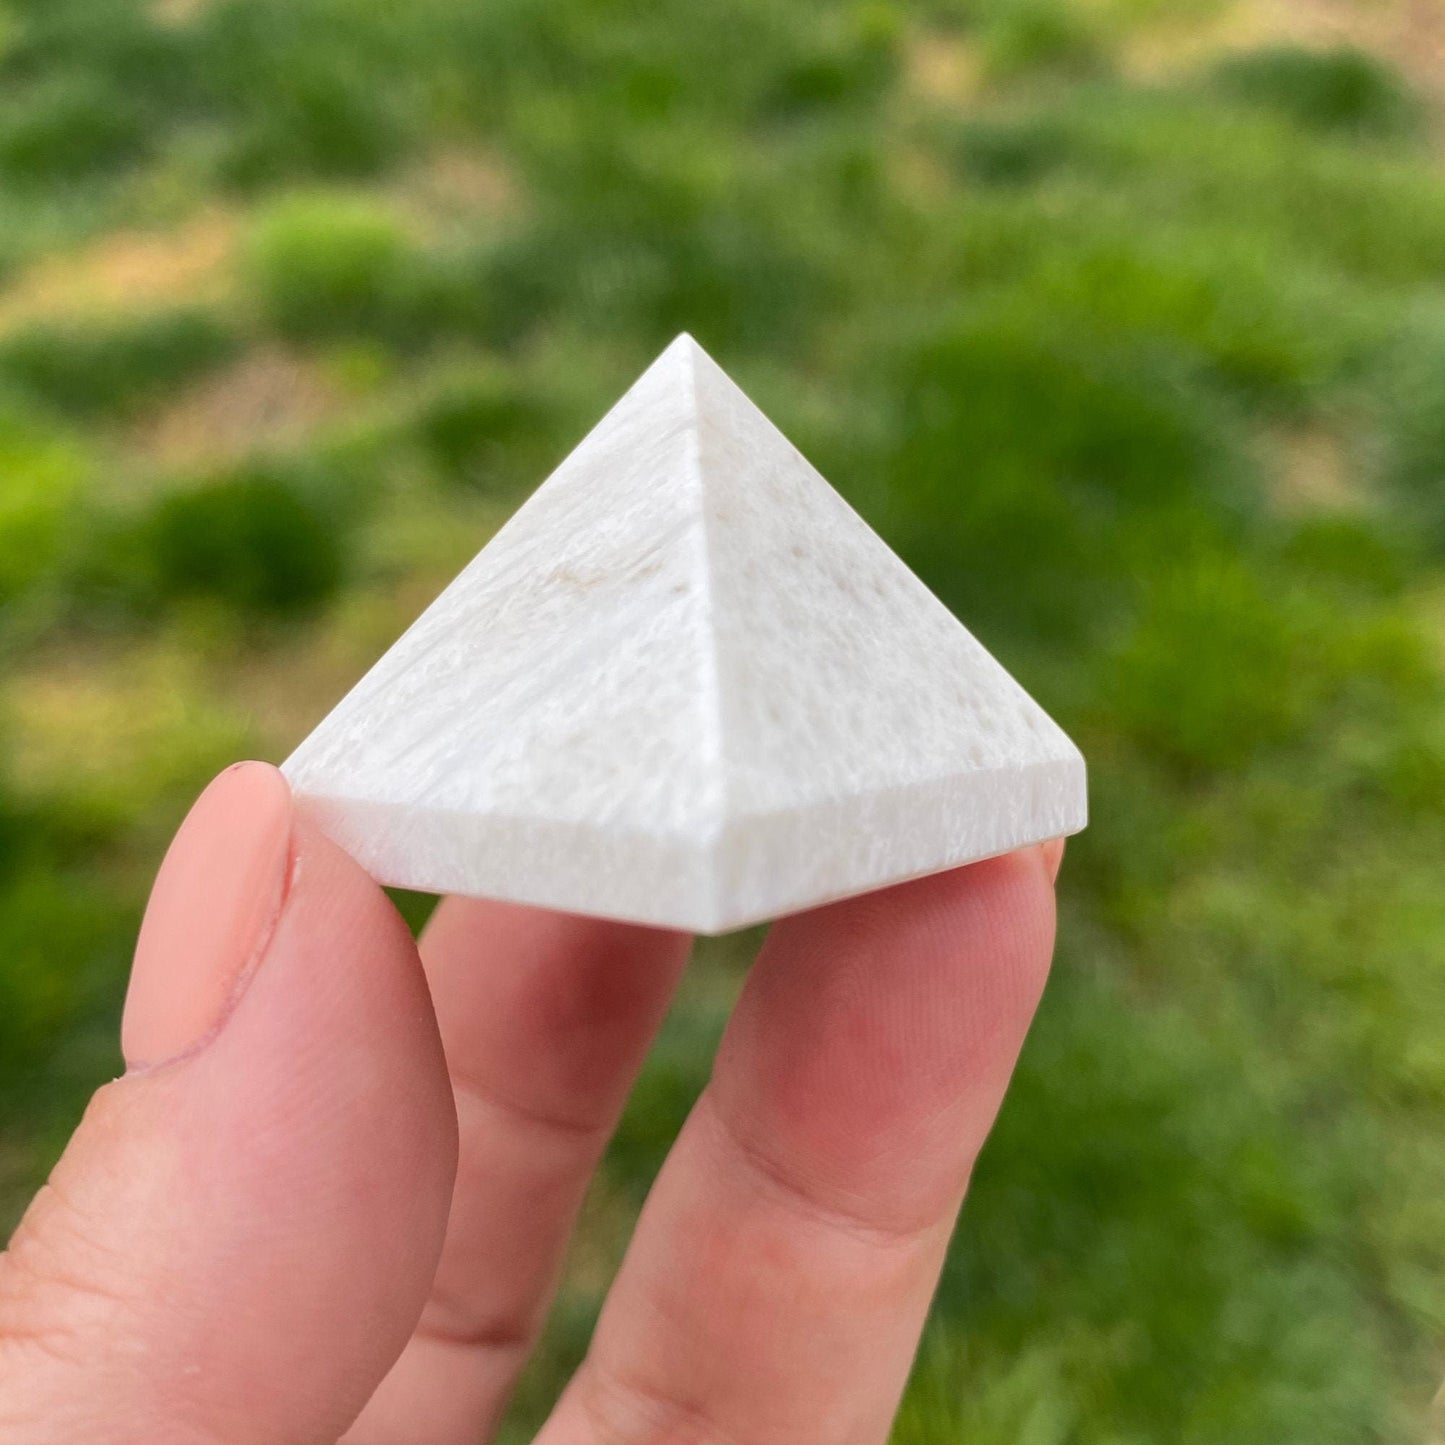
x: 685, y: 685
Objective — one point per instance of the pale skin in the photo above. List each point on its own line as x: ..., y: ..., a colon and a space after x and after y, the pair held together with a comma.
x: 338, y: 1205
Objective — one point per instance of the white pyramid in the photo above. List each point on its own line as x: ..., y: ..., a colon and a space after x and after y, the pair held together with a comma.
x: 685, y: 685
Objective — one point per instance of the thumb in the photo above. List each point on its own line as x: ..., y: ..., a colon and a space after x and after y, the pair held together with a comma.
x: 241, y: 1234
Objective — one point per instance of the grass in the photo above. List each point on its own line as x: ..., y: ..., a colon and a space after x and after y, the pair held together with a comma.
x: 87, y: 369
x: 249, y: 541
x: 1081, y: 344
x: 1332, y: 90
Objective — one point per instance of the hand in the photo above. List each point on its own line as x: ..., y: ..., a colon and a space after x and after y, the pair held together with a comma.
x: 330, y: 1196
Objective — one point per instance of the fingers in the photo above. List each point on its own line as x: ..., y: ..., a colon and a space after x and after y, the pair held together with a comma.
x: 545, y: 1018
x: 1053, y: 855
x: 240, y: 1237
x: 783, y: 1267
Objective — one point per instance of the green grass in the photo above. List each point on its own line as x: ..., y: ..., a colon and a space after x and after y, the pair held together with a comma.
x: 89, y: 369
x: 43, y: 472
x: 249, y: 541
x: 1146, y: 379
x: 1332, y: 90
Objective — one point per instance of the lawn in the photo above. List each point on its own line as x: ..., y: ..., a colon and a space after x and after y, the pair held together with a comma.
x: 1123, y: 321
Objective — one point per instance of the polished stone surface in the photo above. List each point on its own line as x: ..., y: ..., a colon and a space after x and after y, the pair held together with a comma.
x: 685, y: 685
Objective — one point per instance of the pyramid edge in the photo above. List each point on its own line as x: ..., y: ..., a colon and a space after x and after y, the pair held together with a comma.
x: 657, y: 881
x: 968, y: 825
x: 676, y: 882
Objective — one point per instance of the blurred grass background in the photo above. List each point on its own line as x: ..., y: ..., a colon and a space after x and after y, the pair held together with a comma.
x: 1123, y: 320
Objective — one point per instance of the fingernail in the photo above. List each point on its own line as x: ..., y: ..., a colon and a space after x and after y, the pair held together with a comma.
x: 210, y: 915
x: 1053, y: 852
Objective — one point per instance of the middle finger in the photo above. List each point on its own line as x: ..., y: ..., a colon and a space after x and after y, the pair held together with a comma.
x: 546, y: 1018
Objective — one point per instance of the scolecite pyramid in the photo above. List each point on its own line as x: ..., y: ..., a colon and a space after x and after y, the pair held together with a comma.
x: 685, y: 685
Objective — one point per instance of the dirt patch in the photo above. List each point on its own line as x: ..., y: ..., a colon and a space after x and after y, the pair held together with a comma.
x: 453, y: 188
x: 944, y: 69
x: 176, y: 12
x: 268, y: 400
x: 1311, y: 472
x: 1410, y: 34
x: 129, y: 271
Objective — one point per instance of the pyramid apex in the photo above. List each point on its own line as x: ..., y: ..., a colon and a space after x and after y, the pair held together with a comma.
x: 683, y: 381
x: 687, y: 348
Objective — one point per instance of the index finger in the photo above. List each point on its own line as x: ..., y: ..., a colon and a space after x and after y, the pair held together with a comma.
x: 782, y: 1269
